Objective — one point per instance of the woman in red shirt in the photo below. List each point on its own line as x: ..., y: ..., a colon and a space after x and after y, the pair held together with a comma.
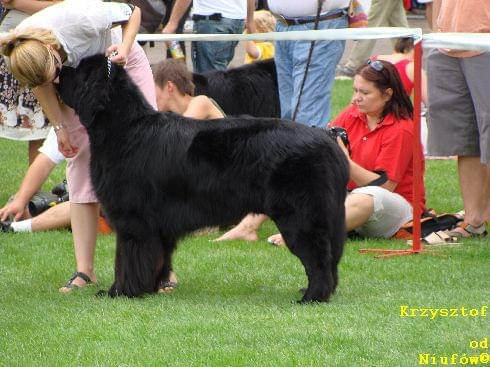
x: 380, y: 131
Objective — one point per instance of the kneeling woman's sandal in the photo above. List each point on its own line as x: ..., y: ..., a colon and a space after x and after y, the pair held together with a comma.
x: 466, y: 230
x: 439, y: 238
x: 68, y: 287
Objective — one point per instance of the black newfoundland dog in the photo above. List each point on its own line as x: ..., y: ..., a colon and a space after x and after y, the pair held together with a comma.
x: 160, y: 176
x: 246, y: 90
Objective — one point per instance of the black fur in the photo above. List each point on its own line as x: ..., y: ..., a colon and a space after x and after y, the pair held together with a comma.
x: 246, y: 90
x: 160, y: 176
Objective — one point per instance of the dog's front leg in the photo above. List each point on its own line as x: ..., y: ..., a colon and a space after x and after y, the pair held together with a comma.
x: 138, y: 263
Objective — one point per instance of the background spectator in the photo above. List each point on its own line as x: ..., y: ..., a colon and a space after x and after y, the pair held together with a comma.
x: 261, y: 50
x: 459, y: 112
x: 382, y: 13
x: 213, y: 16
x: 175, y: 92
x: 402, y: 59
x: 291, y: 58
x: 16, y: 209
x: 21, y: 116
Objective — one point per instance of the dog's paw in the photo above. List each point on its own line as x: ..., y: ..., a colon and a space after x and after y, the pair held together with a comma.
x: 102, y: 293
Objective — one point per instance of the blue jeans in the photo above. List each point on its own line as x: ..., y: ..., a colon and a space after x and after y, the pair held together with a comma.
x: 215, y: 55
x: 291, y: 57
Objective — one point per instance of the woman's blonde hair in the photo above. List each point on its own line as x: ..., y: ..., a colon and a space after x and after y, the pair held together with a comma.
x: 28, y: 55
x: 264, y: 21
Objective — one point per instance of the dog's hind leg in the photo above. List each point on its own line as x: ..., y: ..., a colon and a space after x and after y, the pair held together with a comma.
x: 337, y: 241
x: 312, y: 246
x: 138, y: 264
x: 164, y: 270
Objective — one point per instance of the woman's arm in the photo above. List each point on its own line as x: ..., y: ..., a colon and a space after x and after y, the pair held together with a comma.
x: 37, y: 173
x: 252, y: 50
x: 178, y: 11
x: 27, y: 6
x: 129, y: 32
x: 362, y: 176
x: 249, y: 21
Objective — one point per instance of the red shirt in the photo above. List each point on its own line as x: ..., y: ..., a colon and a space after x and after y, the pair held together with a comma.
x: 387, y: 148
x: 401, y: 66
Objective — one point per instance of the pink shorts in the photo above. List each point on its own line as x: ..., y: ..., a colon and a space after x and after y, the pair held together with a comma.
x: 77, y: 170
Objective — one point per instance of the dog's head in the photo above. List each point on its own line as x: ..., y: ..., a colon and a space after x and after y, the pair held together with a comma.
x: 86, y: 87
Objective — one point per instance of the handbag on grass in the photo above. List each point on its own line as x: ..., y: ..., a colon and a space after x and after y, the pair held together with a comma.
x: 357, y: 16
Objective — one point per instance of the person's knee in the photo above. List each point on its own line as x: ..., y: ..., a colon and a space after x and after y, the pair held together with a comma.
x: 360, y: 202
x: 358, y: 210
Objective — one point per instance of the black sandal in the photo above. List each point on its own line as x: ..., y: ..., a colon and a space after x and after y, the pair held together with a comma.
x: 70, y: 286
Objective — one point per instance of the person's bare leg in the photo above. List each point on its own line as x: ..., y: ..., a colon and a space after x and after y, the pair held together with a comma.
x: 84, y: 219
x: 55, y: 217
x: 486, y: 208
x: 246, y: 229
x: 474, y: 183
x: 428, y: 14
x: 358, y: 209
x: 34, y: 145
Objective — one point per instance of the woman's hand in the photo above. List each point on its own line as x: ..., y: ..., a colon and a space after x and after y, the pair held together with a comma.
x: 64, y: 144
x: 15, y: 208
x: 121, y: 54
x: 343, y: 147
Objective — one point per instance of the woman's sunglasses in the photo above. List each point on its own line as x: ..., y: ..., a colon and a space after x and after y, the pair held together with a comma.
x: 376, y: 65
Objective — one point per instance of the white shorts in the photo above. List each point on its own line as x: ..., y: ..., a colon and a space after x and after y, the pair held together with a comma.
x: 424, y: 1
x: 391, y: 211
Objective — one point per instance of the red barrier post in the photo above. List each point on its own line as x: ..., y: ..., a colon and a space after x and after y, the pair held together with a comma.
x: 417, y: 150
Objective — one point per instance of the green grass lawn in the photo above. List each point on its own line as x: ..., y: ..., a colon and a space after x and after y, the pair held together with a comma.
x: 235, y: 305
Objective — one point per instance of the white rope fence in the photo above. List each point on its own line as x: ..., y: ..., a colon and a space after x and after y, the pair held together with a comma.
x: 457, y: 41
x: 323, y: 34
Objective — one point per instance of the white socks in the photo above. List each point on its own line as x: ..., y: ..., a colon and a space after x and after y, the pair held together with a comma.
x: 22, y: 226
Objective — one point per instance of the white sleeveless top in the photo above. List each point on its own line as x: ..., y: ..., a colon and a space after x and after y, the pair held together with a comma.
x: 303, y: 8
x: 83, y: 27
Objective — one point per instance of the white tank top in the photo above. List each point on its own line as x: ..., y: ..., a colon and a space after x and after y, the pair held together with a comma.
x: 303, y: 8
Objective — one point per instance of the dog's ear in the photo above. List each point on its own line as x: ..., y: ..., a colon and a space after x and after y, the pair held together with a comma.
x: 64, y: 87
x: 85, y: 88
x: 199, y: 80
x: 87, y: 114
x: 92, y: 101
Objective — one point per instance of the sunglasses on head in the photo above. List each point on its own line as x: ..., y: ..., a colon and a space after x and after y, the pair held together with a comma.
x: 376, y: 65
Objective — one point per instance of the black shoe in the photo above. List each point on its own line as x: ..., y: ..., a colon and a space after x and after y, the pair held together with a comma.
x: 6, y: 226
